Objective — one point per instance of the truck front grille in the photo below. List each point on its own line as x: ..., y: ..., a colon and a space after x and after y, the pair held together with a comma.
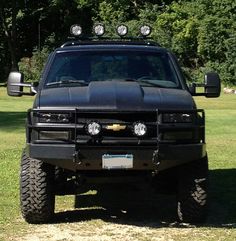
x: 109, y: 119
x: 157, y: 130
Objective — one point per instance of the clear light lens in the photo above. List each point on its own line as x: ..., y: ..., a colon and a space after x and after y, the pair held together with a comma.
x: 54, y: 135
x: 94, y: 128
x: 76, y: 30
x: 145, y: 30
x: 53, y: 118
x: 177, y: 118
x: 122, y: 30
x: 176, y: 136
x: 99, y: 29
x: 140, y: 129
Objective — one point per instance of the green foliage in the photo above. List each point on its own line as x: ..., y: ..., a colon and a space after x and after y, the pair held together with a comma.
x: 201, y: 33
x: 32, y: 67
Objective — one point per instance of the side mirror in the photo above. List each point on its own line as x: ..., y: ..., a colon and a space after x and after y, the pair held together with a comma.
x: 14, y: 88
x: 212, y: 85
x: 15, y: 85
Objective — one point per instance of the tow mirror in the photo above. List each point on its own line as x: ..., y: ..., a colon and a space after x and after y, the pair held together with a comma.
x: 14, y: 88
x: 15, y: 85
x: 211, y: 85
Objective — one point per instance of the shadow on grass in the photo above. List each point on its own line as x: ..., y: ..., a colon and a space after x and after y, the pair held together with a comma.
x: 125, y: 205
x: 11, y: 121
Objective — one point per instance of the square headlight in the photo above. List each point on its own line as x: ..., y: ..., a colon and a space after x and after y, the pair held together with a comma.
x: 54, y: 117
x: 177, y: 118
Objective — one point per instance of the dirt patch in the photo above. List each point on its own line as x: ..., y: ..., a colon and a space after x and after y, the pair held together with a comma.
x: 118, y: 216
x: 98, y: 230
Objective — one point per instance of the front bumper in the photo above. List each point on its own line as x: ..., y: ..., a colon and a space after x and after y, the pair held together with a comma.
x: 144, y: 158
x: 167, y: 144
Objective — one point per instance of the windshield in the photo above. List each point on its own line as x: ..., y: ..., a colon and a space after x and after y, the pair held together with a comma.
x: 79, y: 68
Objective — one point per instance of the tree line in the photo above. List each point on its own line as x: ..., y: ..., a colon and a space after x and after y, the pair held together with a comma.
x: 201, y: 33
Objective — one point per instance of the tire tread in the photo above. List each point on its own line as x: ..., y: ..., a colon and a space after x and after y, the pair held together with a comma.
x: 36, y: 190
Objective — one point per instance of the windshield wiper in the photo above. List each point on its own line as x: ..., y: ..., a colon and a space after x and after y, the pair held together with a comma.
x: 142, y: 81
x: 151, y: 83
x: 62, y: 82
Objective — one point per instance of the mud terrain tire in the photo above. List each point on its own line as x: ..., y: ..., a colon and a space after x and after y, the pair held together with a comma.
x: 192, y: 191
x: 37, y: 198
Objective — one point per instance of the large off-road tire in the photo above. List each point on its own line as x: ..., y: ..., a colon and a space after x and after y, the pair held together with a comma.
x: 37, y: 196
x: 192, y: 191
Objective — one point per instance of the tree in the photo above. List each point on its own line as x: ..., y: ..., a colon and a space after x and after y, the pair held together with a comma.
x: 200, y: 32
x: 8, y: 15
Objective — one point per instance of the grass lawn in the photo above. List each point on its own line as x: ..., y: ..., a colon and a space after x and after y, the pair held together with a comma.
x: 221, y: 144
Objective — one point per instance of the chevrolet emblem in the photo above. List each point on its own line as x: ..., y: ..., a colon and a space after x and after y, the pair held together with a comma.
x: 115, y: 127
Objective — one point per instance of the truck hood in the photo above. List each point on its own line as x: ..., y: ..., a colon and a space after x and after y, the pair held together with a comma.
x: 111, y: 95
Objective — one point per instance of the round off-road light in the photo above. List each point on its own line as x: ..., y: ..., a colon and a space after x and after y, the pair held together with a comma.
x: 145, y: 30
x: 140, y: 129
x: 99, y: 29
x: 122, y: 30
x: 93, y: 128
x: 76, y: 30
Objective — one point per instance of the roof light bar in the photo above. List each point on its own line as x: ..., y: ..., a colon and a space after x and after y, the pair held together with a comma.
x: 99, y: 29
x: 145, y: 30
x: 76, y: 30
x: 122, y: 30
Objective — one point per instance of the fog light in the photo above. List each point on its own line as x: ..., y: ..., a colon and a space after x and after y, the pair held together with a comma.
x: 94, y: 128
x: 140, y: 129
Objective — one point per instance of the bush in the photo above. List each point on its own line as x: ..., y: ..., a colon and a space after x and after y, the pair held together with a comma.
x: 32, y: 67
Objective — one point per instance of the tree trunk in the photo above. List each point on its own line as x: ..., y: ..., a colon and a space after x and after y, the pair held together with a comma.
x: 10, y: 34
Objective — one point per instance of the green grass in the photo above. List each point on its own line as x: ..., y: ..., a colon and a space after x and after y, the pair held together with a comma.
x: 221, y: 144
x: 12, y: 115
x: 220, y: 130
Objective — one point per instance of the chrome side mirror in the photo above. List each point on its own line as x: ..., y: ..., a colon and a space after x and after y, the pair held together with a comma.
x: 15, y: 85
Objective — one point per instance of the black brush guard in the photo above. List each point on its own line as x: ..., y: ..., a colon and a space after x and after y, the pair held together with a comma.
x: 151, y: 152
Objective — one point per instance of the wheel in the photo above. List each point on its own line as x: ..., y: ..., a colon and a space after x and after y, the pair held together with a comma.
x: 192, y: 191
x: 37, y: 198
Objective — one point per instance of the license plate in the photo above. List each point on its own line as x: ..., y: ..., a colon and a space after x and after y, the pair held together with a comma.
x: 117, y: 161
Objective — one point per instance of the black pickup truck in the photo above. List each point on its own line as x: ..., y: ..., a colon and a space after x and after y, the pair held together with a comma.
x: 113, y: 108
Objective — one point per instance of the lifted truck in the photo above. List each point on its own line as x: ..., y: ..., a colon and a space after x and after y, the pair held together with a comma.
x: 113, y: 108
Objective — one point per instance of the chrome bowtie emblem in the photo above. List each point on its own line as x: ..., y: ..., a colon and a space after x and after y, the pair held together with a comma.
x: 116, y: 127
